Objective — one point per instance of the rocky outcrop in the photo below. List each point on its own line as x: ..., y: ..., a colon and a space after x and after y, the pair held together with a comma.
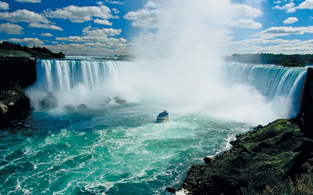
x: 306, y: 111
x: 49, y: 102
x: 17, y: 69
x: 15, y: 75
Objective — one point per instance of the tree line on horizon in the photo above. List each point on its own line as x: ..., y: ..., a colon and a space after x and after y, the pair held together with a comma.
x: 36, y: 52
x: 289, y: 60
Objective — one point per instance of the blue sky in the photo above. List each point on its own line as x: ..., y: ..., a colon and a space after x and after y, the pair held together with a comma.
x: 113, y: 27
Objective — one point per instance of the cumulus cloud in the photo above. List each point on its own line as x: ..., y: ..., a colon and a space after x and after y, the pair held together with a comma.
x: 23, y: 16
x: 46, y: 34
x: 29, y: 1
x: 144, y: 18
x: 151, y: 4
x: 47, y: 26
x: 277, y: 2
x: 29, y: 41
x: 104, y: 22
x: 245, y: 10
x: 307, y: 4
x: 104, y: 32
x: 272, y: 46
x: 114, y: 2
x: 80, y: 14
x: 246, y: 23
x: 90, y: 35
x: 9, y: 28
x: 290, y: 20
x: 273, y: 32
x: 115, y: 11
x: 4, y: 5
x: 289, y: 7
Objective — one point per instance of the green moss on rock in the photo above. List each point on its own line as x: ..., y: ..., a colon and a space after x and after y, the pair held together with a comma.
x: 257, y: 159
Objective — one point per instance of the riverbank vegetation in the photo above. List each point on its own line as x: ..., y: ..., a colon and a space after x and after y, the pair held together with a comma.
x: 295, y: 60
x: 8, y: 49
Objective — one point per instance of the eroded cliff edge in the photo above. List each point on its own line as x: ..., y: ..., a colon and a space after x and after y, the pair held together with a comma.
x: 264, y: 160
x: 16, y: 74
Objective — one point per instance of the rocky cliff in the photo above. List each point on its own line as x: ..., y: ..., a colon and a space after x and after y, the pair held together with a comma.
x: 16, y: 73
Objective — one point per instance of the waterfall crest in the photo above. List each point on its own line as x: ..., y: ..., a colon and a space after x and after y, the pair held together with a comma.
x: 243, y: 93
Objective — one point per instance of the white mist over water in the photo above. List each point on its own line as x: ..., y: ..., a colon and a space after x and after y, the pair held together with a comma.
x: 180, y: 67
x: 187, y: 50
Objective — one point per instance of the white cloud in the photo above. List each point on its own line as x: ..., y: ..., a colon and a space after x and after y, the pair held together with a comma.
x: 307, y: 4
x: 46, y: 35
x: 29, y: 1
x: 80, y: 14
x: 245, y: 10
x: 104, y: 22
x: 289, y: 7
x: 290, y: 20
x: 151, y: 4
x: 143, y: 18
x: 277, y: 2
x: 104, y: 32
x: 246, y: 23
x: 54, y: 42
x: 9, y: 28
x: 273, y: 32
x: 115, y: 11
x: 272, y: 46
x: 114, y: 2
x: 96, y: 35
x: 29, y: 41
x: 4, y: 5
x: 99, y: 3
x: 47, y: 26
x: 23, y: 16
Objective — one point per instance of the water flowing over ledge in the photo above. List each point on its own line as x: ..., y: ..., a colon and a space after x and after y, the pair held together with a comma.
x: 273, y: 90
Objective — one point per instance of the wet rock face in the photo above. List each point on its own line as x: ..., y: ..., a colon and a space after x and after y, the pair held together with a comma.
x: 17, y: 69
x: 16, y: 74
x: 49, y: 102
x: 306, y: 110
x: 14, y: 105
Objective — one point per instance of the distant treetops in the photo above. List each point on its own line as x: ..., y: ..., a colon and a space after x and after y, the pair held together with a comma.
x: 36, y: 52
x: 296, y: 60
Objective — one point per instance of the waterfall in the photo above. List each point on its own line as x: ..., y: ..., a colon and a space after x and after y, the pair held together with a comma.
x: 272, y: 81
x: 252, y: 94
x: 56, y: 75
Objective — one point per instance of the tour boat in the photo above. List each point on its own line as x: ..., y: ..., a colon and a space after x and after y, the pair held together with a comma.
x: 162, y: 117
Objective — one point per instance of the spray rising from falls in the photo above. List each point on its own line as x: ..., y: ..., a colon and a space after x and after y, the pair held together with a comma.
x: 250, y: 94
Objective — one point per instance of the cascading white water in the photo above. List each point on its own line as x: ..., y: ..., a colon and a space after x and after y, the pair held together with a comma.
x: 250, y: 94
x: 279, y: 85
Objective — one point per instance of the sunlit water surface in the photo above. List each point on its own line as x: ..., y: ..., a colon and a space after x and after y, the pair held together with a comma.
x: 114, y: 149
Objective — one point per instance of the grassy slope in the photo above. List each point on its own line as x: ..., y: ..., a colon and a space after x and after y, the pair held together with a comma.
x: 14, y: 53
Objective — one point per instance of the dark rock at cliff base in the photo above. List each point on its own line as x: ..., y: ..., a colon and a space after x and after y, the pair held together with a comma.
x: 49, y: 102
x: 14, y: 105
x: 69, y: 107
x: 306, y: 110
x: 119, y: 101
x: 171, y: 190
x: 82, y: 107
x: 13, y: 69
x: 208, y: 160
